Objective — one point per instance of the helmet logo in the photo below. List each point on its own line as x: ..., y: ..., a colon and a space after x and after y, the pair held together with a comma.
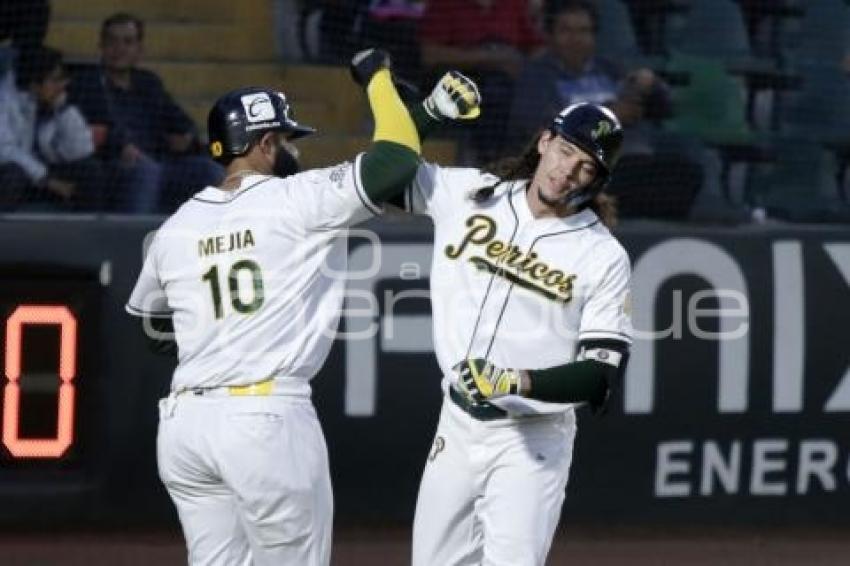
x: 603, y: 128
x: 258, y: 107
x: 216, y: 149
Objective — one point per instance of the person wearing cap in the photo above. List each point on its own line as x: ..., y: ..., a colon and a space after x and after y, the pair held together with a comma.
x: 245, y: 282
x: 530, y: 303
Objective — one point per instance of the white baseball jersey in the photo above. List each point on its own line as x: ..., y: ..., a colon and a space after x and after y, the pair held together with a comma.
x: 254, y: 278
x: 518, y: 291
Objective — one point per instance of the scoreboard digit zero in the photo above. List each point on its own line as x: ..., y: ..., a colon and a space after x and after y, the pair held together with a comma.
x: 49, y: 318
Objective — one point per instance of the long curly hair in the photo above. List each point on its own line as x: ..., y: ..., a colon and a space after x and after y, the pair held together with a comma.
x: 523, y: 166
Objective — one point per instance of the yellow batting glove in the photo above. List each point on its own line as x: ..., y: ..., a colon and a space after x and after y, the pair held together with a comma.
x: 480, y: 381
x: 455, y: 97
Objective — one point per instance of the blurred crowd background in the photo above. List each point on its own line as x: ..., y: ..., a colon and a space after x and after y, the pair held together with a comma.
x: 736, y: 111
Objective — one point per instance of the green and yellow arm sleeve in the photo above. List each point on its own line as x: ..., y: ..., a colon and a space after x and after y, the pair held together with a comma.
x: 391, y: 161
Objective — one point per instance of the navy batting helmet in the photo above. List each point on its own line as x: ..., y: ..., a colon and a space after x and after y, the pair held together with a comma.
x: 597, y: 131
x: 242, y: 116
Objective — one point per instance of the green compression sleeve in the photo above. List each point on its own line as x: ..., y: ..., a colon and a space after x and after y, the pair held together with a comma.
x: 572, y: 383
x: 386, y: 169
x: 424, y: 122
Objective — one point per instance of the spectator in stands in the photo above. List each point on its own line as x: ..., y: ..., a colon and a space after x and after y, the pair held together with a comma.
x: 146, y: 139
x: 489, y: 39
x: 331, y: 30
x: 46, y: 149
x: 338, y: 28
x: 647, y: 182
x: 569, y: 71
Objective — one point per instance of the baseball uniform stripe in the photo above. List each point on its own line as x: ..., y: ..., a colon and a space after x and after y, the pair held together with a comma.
x: 135, y: 311
x: 358, y: 186
x: 236, y: 195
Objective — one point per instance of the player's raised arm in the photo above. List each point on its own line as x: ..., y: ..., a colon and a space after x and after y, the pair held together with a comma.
x: 455, y: 97
x: 391, y: 162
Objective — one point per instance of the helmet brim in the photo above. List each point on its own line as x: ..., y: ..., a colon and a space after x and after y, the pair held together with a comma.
x: 296, y: 130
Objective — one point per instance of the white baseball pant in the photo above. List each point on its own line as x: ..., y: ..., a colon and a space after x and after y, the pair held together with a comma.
x: 249, y: 477
x: 492, y: 491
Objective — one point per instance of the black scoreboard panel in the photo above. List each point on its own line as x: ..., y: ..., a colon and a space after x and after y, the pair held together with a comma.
x: 50, y: 317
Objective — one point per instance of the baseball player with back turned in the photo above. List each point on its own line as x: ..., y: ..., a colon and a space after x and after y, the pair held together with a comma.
x: 249, y: 277
x: 530, y: 300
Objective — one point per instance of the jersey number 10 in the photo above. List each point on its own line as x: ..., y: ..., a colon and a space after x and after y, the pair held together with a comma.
x: 211, y: 276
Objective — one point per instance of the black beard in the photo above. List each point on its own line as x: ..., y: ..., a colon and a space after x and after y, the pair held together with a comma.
x: 285, y: 164
x: 573, y: 200
x: 553, y: 202
x: 557, y: 202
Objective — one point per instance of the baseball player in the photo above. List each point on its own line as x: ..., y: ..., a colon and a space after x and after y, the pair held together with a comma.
x: 249, y: 275
x: 530, y: 299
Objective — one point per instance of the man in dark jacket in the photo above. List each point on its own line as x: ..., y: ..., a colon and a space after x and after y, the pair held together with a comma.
x: 145, y: 137
x: 650, y: 179
x: 569, y: 72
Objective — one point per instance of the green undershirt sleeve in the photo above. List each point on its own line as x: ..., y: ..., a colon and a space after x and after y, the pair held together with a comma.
x: 572, y: 383
x: 386, y: 169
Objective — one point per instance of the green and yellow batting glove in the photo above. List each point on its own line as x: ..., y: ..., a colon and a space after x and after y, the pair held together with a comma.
x: 480, y: 381
x: 455, y: 97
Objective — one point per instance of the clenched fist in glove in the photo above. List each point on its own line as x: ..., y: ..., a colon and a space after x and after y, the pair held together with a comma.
x: 480, y: 381
x: 454, y: 97
x: 366, y: 63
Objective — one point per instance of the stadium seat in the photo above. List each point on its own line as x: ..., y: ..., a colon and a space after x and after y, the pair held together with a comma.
x: 710, y: 108
x: 616, y: 38
x: 714, y: 28
x: 802, y: 186
x: 820, y: 110
x: 821, y: 35
x: 659, y: 186
x: 711, y: 105
x: 185, y: 45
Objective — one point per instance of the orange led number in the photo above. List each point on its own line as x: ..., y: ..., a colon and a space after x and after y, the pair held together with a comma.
x: 40, y: 315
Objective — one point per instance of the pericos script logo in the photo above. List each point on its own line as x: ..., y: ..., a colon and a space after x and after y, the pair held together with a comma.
x: 258, y: 107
